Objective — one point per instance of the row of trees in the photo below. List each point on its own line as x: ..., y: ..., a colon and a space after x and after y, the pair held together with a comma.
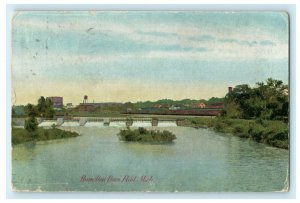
x: 266, y: 100
x: 43, y: 109
x: 170, y: 102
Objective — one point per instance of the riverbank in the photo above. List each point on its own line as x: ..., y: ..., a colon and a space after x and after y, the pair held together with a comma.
x: 274, y: 133
x: 20, y: 135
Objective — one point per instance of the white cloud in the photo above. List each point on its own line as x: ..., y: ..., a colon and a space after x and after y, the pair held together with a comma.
x: 31, y: 71
x: 184, y: 34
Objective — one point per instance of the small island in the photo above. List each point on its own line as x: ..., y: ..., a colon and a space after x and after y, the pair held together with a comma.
x: 20, y: 135
x: 147, y: 136
x: 31, y: 132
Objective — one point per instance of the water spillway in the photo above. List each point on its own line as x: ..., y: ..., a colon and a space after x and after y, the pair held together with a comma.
x: 112, y: 122
x: 70, y: 124
x: 117, y: 124
x: 167, y: 124
x: 141, y: 124
x: 94, y: 124
x: 47, y: 123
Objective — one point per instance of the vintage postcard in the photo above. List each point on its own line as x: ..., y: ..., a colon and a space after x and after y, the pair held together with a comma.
x: 159, y: 101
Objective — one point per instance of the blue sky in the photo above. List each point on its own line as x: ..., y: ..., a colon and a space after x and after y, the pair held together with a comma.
x: 133, y: 56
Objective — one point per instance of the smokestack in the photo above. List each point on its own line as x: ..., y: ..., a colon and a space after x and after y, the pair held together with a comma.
x: 229, y: 89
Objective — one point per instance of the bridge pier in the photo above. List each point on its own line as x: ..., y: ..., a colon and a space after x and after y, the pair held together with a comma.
x: 59, y: 121
x: 106, y: 122
x: 154, y: 121
x: 39, y: 120
x: 82, y: 121
x: 129, y: 122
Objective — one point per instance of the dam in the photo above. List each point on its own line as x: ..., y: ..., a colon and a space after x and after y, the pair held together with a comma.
x: 108, y: 122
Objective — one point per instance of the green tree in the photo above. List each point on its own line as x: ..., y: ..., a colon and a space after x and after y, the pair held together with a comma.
x: 233, y: 110
x: 31, y: 110
x: 275, y: 94
x: 13, y: 112
x: 49, y: 112
x: 45, y: 107
x: 266, y: 100
x: 239, y: 96
x: 31, y: 124
x: 41, y: 106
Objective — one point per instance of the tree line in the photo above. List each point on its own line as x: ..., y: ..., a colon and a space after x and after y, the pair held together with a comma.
x: 267, y: 100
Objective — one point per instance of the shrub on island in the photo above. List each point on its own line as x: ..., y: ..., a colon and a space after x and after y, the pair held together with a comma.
x: 144, y: 135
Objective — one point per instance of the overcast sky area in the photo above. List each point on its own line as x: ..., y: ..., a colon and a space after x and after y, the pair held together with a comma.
x: 139, y: 56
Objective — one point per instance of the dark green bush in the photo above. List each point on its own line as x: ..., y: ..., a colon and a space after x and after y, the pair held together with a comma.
x: 31, y: 124
x: 238, y: 129
x: 144, y: 135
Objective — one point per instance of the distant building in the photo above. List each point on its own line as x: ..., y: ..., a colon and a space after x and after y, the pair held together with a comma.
x: 57, y: 101
x: 200, y: 105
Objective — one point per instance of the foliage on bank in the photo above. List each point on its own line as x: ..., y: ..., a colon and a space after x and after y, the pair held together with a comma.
x: 272, y: 132
x: 197, y: 122
x: 259, y: 113
x: 20, y: 135
x: 144, y: 135
x: 267, y: 100
x: 43, y: 108
x: 32, y: 132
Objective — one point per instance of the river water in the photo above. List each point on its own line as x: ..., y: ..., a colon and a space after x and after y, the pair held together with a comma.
x: 199, y: 160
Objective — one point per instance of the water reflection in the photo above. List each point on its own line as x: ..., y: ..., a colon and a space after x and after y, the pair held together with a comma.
x: 198, y: 160
x: 152, y: 149
x: 24, y: 152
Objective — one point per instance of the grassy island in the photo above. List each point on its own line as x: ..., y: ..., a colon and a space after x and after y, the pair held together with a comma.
x: 144, y: 135
x: 31, y: 132
x: 20, y: 135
